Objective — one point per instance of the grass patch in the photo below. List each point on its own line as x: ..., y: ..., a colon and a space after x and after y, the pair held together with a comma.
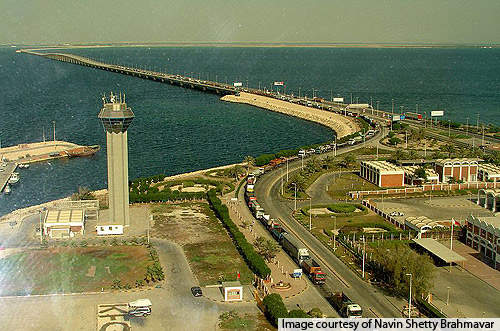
x: 206, y: 243
x: 67, y: 270
x: 342, y: 184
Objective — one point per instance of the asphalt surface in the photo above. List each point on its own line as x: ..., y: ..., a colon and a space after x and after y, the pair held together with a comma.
x: 373, y: 302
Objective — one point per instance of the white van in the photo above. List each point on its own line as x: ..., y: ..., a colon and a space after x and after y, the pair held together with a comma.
x: 139, y: 308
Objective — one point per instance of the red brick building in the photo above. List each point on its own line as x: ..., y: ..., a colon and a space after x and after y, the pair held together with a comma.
x: 483, y: 234
x: 464, y: 170
x: 382, y: 173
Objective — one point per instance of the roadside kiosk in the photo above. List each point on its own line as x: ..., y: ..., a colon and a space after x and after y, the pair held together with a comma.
x: 233, y: 291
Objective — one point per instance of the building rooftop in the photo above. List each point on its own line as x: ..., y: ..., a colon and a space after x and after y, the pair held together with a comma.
x: 64, y: 216
x: 439, y: 250
x: 458, y: 160
x: 491, y: 169
x: 431, y: 173
x: 383, y: 166
x: 494, y: 221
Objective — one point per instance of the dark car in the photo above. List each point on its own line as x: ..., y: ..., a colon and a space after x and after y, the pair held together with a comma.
x: 196, y: 290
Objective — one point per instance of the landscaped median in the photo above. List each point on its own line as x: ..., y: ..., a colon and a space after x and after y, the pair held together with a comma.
x: 255, y: 262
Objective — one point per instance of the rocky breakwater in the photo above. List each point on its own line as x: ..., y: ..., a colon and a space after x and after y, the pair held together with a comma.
x: 342, y: 125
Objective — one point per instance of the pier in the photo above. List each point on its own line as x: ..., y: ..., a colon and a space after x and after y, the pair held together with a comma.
x: 42, y: 151
x: 177, y: 80
x: 5, y: 173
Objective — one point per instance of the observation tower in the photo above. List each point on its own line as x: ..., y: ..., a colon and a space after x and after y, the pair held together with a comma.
x: 116, y: 118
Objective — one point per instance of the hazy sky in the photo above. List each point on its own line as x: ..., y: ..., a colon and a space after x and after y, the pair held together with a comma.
x: 437, y: 21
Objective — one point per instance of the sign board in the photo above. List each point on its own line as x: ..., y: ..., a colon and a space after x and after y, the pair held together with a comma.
x: 338, y: 99
x: 237, y: 84
x: 396, y: 117
x: 279, y: 83
x: 436, y: 113
x: 297, y: 273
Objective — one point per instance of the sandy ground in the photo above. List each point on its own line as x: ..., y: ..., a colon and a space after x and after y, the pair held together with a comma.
x: 342, y: 125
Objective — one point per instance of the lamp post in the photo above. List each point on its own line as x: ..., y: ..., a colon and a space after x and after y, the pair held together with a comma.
x: 364, y: 254
x: 409, y: 297
x: 334, y: 232
x: 54, y: 126
x: 295, y: 197
x: 310, y: 215
x: 449, y: 128
x: 448, y: 296
x: 150, y: 219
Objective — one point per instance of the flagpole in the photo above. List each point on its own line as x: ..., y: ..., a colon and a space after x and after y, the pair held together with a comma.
x: 451, y: 238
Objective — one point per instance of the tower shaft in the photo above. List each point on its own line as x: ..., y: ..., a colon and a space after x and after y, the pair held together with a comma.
x: 117, y: 155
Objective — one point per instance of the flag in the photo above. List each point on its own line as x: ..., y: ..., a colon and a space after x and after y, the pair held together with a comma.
x: 279, y: 83
x: 239, y: 275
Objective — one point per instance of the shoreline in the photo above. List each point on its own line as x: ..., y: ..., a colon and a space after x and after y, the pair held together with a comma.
x: 341, y: 125
x: 19, y: 214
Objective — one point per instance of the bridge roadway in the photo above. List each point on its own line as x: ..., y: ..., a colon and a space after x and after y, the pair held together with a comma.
x: 341, y: 278
x: 178, y: 80
x: 6, y: 170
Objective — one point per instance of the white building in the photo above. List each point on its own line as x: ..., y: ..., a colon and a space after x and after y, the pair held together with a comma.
x: 488, y: 172
x: 64, y: 223
x: 109, y: 229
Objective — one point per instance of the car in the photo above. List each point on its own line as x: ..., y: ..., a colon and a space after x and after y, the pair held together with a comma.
x: 196, y: 290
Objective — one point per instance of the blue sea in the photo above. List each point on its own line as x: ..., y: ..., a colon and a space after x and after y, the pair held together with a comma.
x: 178, y: 130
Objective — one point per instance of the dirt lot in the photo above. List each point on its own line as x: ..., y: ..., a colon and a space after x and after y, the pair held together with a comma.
x: 207, y: 245
x: 67, y: 270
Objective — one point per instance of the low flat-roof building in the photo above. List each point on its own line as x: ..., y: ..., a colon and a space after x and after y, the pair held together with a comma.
x: 412, y: 179
x: 421, y: 224
x: 382, y: 173
x: 462, y: 169
x: 489, y: 199
x: 439, y: 250
x: 483, y: 234
x: 489, y: 172
x: 64, y: 223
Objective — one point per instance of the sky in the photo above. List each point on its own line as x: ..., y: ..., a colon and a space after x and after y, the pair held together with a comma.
x: 270, y: 21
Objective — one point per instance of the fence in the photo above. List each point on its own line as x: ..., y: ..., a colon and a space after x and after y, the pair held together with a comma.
x: 426, y: 188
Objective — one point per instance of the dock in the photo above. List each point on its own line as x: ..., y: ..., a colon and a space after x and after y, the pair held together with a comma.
x: 8, y: 170
x: 42, y: 151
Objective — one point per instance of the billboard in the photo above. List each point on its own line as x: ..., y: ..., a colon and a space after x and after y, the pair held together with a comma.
x: 279, y: 83
x: 237, y: 84
x: 338, y: 99
x: 436, y: 113
x: 396, y: 118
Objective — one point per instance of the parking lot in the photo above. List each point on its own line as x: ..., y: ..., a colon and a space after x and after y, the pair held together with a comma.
x: 438, y: 209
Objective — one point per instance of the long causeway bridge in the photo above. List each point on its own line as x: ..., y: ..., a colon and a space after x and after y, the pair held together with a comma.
x: 178, y: 80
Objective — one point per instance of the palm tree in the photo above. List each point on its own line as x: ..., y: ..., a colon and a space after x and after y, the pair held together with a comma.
x: 249, y: 160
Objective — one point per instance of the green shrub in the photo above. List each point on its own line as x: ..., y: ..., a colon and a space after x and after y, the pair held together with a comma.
x: 255, y: 262
x: 274, y: 308
x: 298, y: 313
x: 342, y: 208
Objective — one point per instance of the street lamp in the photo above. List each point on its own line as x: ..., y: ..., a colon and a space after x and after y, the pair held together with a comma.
x: 310, y: 215
x: 449, y: 128
x: 448, y: 296
x: 364, y: 254
x: 334, y: 232
x: 409, y: 297
x: 295, y: 196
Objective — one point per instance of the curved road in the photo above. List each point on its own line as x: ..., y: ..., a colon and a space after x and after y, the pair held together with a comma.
x: 373, y: 302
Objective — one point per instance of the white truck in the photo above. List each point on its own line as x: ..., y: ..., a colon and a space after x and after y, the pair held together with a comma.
x: 139, y: 308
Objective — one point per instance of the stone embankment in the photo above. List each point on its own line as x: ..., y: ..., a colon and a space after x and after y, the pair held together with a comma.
x: 342, y: 125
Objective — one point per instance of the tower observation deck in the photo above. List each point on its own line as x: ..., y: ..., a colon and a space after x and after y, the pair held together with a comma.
x: 116, y: 117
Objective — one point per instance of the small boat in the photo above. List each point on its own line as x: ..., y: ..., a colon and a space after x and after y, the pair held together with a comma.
x: 24, y: 165
x: 14, y: 178
x: 6, y: 190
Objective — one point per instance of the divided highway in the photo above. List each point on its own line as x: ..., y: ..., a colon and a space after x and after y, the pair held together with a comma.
x: 340, y: 277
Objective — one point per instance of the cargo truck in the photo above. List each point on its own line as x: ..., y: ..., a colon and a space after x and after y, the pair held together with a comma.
x: 345, y: 306
x: 313, y: 270
x: 294, y: 248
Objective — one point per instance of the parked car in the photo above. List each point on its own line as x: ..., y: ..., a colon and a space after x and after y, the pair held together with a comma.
x: 196, y: 290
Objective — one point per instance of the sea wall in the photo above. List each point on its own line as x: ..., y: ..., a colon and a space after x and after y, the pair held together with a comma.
x: 342, y: 125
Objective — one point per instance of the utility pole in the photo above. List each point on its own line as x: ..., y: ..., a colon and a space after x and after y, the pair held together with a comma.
x: 364, y: 253
x: 41, y: 229
x: 150, y: 220
x: 54, y: 126
x: 295, y: 197
x: 477, y: 122
x: 467, y: 127
x: 409, y: 297
x: 310, y: 215
x: 287, y: 170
